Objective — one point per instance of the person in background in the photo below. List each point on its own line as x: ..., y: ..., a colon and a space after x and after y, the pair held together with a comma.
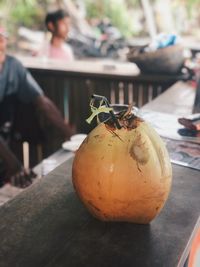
x: 17, y: 84
x: 58, y: 24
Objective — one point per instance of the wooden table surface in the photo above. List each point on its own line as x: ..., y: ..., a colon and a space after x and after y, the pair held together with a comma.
x: 178, y: 99
x: 47, y: 225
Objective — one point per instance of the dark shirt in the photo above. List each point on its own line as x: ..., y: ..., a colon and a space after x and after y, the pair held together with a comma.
x: 15, y: 79
x: 16, y: 85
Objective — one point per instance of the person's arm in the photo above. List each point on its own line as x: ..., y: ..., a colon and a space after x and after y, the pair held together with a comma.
x: 50, y: 111
x: 29, y: 91
x: 15, y: 173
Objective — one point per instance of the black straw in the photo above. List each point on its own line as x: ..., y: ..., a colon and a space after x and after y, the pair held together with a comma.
x: 100, y: 98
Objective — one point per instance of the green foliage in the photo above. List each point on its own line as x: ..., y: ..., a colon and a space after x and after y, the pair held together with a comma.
x: 116, y: 10
x: 191, y: 5
x: 24, y: 12
x: 120, y: 17
x: 31, y: 13
x: 92, y: 10
x: 134, y: 3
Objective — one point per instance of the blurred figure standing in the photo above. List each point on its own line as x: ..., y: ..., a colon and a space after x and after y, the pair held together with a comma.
x: 58, y: 24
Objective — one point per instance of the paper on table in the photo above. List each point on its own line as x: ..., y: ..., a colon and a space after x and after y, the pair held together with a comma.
x: 167, y: 125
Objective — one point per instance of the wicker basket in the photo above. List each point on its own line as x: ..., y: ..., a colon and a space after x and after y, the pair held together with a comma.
x: 168, y: 60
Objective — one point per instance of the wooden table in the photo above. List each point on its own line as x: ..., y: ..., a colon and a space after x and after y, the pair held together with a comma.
x: 47, y: 225
x: 178, y: 99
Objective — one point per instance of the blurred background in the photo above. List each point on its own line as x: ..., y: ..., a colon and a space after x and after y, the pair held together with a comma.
x: 101, y: 28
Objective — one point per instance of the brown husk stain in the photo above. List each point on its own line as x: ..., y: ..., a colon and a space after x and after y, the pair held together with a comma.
x: 144, y: 151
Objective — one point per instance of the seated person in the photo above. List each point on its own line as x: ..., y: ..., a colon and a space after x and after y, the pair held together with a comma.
x: 17, y: 84
x: 58, y: 24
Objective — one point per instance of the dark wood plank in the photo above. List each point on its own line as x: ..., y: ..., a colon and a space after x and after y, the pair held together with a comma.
x: 126, y: 93
x: 47, y: 225
x: 145, y: 95
x: 136, y: 94
x: 81, y: 92
x: 103, y: 87
x: 116, y: 90
x: 196, y: 107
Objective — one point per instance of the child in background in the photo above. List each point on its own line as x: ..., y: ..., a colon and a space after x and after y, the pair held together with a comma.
x: 58, y: 24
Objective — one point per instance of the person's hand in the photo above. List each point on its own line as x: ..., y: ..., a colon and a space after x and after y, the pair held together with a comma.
x: 22, y: 179
x: 13, y: 172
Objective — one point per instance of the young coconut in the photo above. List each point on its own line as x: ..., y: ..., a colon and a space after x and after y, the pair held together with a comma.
x: 122, y: 170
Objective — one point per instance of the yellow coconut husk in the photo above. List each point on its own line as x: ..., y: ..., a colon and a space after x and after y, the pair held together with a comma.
x: 123, y: 174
